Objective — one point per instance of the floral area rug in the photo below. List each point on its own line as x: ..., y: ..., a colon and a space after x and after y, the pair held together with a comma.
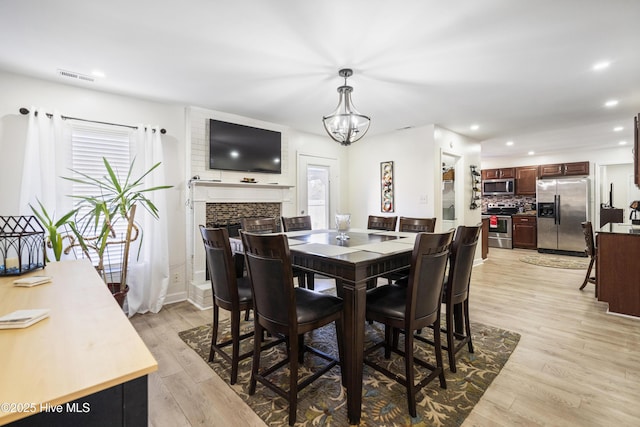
x: 568, y: 262
x: 323, y: 403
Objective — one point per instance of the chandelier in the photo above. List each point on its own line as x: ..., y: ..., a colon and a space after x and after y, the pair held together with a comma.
x: 346, y: 125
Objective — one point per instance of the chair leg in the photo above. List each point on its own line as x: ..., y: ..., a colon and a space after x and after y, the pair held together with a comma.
x: 388, y: 341
x: 257, y: 345
x: 235, y: 345
x: 214, y: 332
x: 467, y: 325
x: 409, y: 375
x: 438, y: 349
x: 586, y: 278
x: 293, y: 380
x: 451, y: 344
x: 246, y: 315
x: 339, y: 325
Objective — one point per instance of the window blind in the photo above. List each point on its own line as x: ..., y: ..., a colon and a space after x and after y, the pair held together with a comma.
x: 89, y: 144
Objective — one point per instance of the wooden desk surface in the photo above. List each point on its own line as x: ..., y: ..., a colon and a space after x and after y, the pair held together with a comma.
x: 86, y: 345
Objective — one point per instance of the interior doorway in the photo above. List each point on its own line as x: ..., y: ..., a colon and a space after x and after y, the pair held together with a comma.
x: 318, y: 189
x: 451, y: 190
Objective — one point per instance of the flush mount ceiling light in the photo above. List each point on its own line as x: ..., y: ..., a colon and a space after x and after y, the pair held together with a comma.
x: 346, y: 125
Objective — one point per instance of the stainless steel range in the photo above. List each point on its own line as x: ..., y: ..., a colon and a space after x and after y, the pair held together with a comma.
x: 500, y: 225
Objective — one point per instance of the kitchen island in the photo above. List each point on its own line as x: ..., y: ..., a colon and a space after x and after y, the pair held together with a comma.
x: 83, y: 365
x: 618, y: 267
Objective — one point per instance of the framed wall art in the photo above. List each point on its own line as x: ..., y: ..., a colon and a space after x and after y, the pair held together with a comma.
x: 387, y: 202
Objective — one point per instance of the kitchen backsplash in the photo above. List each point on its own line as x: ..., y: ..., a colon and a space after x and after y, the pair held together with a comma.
x: 528, y: 203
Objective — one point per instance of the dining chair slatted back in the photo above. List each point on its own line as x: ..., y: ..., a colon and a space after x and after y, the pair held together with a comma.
x: 387, y: 223
x: 410, y: 308
x: 285, y: 310
x: 410, y: 225
x: 417, y: 225
x: 259, y: 225
x: 300, y: 223
x: 296, y: 223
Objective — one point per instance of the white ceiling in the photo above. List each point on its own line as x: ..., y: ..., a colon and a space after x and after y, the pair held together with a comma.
x: 514, y: 67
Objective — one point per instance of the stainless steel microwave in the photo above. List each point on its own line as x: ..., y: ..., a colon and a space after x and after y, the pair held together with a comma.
x: 498, y: 187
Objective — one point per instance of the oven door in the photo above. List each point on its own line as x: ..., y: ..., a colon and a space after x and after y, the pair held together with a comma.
x: 500, y: 231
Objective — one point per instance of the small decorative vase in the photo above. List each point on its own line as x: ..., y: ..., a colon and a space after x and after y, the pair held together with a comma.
x: 343, y: 221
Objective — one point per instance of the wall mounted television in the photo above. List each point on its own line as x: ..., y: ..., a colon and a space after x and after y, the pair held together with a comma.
x: 236, y: 147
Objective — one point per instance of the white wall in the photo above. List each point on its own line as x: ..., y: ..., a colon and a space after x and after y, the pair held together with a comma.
x: 416, y: 154
x: 19, y: 91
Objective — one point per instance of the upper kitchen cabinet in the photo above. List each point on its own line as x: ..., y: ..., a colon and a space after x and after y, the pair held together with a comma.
x: 498, y: 173
x: 564, y: 169
x: 526, y: 180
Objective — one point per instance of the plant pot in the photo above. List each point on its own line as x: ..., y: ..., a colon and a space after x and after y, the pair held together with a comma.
x: 117, y: 294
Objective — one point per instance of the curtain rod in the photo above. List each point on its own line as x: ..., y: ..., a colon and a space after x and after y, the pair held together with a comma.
x: 25, y: 111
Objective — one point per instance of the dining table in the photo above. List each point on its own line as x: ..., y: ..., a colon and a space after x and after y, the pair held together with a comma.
x: 361, y: 259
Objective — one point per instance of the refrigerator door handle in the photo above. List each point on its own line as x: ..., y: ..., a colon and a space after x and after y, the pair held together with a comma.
x: 557, y: 208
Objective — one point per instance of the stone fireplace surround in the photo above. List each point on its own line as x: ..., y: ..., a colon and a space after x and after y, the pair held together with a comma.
x: 218, y: 203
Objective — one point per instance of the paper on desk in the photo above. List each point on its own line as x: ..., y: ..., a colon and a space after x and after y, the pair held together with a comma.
x: 322, y: 249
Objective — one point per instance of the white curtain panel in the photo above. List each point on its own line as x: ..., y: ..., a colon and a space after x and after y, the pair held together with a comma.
x: 149, y: 271
x: 39, y: 173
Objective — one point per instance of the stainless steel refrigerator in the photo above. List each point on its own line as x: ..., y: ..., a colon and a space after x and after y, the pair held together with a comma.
x: 563, y: 204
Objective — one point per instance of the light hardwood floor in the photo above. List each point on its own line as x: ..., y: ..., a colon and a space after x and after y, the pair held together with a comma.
x: 575, y: 364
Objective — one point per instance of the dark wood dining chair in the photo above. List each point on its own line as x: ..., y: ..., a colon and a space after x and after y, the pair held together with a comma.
x: 270, y: 225
x: 456, y: 290
x: 387, y: 223
x: 259, y: 225
x: 411, y: 225
x: 592, y: 252
x: 296, y: 223
x: 416, y: 306
x: 417, y: 225
x: 299, y: 223
x: 285, y: 310
x: 230, y: 293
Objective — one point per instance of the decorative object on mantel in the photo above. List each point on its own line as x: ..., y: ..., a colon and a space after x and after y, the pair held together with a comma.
x: 475, y: 187
x: 22, y: 245
x: 249, y: 180
x: 387, y: 203
x: 346, y: 125
x: 384, y: 402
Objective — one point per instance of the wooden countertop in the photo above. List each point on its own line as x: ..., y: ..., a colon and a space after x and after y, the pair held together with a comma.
x: 86, y: 345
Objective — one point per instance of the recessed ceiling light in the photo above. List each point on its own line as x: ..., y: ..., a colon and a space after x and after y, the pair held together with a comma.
x: 622, y: 143
x: 611, y: 103
x: 531, y: 153
x: 601, y: 65
x: 509, y: 143
x: 98, y: 73
x: 474, y: 127
x: 618, y: 128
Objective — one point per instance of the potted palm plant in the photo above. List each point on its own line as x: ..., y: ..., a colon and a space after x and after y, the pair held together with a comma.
x: 113, y: 202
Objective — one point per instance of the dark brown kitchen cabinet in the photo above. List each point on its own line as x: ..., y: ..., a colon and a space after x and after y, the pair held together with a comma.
x: 525, y: 231
x: 564, y: 169
x: 526, y: 180
x: 498, y: 173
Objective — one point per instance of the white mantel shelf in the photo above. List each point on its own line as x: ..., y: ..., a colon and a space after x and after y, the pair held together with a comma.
x: 211, y: 183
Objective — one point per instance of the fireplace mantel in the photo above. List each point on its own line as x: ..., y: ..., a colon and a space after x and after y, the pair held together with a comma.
x: 214, y: 183
x: 209, y: 191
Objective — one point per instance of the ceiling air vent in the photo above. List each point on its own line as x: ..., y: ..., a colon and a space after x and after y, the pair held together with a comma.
x: 73, y: 75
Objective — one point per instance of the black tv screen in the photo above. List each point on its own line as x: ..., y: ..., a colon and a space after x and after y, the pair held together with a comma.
x: 243, y: 148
